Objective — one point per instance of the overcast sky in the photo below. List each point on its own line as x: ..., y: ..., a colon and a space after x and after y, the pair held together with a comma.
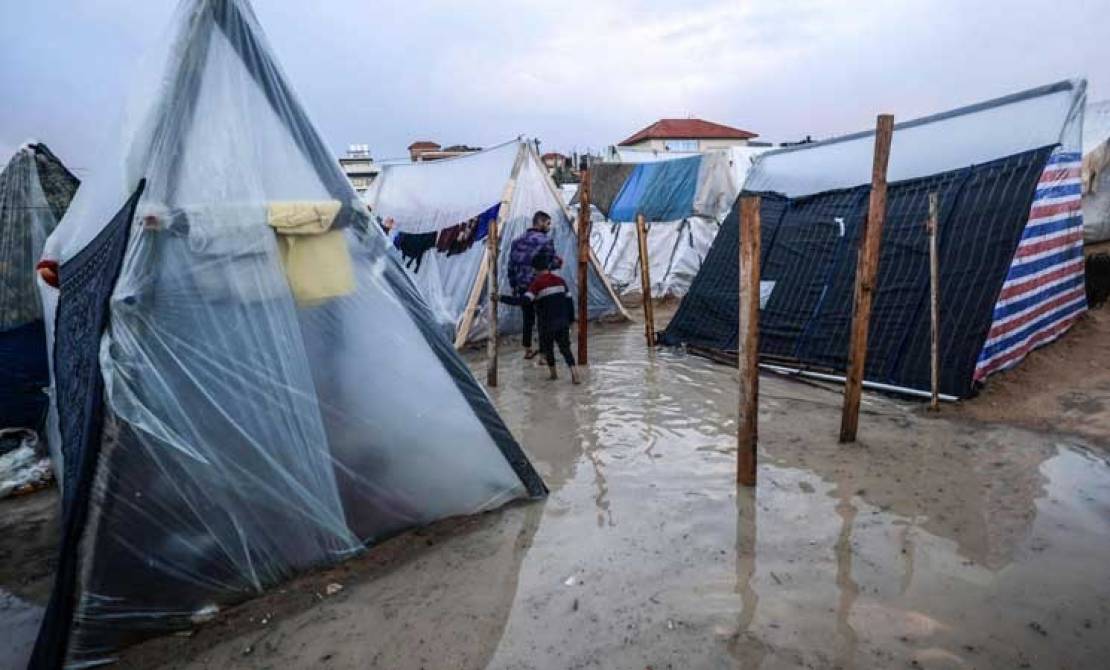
x: 575, y: 73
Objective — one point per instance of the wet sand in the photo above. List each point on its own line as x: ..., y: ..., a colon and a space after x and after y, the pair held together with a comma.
x: 935, y: 542
x: 1064, y: 386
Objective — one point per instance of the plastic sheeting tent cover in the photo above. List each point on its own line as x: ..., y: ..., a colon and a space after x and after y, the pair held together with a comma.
x: 676, y: 249
x: 220, y: 434
x: 34, y: 190
x: 429, y: 196
x: 1096, y: 172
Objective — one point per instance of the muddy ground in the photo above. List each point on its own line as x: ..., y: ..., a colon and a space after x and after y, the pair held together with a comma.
x: 943, y: 541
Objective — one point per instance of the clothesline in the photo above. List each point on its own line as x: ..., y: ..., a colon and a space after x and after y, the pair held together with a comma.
x: 452, y: 240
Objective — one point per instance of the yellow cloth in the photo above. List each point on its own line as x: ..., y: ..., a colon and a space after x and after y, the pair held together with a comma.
x: 316, y: 260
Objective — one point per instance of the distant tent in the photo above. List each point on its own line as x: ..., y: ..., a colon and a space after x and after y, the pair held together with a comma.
x: 683, y: 200
x: 1096, y: 172
x: 440, y: 212
x: 1011, y: 245
x: 35, y: 190
x: 248, y: 384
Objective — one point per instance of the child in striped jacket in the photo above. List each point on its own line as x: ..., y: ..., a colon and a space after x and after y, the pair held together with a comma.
x: 554, y: 313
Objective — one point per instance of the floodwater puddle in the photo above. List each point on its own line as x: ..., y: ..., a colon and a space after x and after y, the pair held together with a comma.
x: 932, y: 541
x: 19, y: 623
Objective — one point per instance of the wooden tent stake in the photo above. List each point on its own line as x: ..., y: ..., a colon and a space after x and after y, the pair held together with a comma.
x: 583, y: 266
x: 934, y: 298
x: 645, y: 281
x: 867, y: 266
x: 747, y: 436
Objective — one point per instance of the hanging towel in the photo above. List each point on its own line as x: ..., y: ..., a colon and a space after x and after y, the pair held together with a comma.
x: 316, y: 259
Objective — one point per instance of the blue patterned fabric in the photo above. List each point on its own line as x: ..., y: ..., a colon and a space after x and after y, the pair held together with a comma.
x: 86, y: 284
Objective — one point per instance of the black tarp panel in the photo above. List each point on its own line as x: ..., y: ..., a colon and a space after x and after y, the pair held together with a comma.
x: 23, y: 361
x: 807, y: 251
x: 984, y: 209
x: 982, y: 222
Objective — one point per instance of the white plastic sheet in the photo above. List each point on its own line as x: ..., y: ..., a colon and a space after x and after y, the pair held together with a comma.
x: 676, y: 249
x: 1096, y: 172
x: 25, y: 222
x: 426, y: 197
x: 966, y: 136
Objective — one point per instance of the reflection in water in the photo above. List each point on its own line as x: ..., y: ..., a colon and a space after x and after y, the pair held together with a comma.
x: 933, y: 540
x: 746, y: 644
x: 586, y: 415
x: 849, y: 590
x: 19, y: 622
x: 909, y: 552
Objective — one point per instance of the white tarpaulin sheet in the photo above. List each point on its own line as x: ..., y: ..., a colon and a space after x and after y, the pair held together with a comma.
x: 427, y: 196
x: 1096, y: 172
x: 430, y: 196
x: 975, y: 134
x: 676, y: 249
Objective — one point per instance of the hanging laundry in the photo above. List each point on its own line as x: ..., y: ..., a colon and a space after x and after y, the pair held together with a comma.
x: 465, y: 235
x: 414, y: 246
x: 447, y: 237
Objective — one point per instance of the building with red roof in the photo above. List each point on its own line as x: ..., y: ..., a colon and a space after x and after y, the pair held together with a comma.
x: 687, y: 135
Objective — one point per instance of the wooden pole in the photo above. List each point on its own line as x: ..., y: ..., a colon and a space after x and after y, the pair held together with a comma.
x: 748, y: 342
x: 494, y: 244
x: 934, y: 297
x: 462, y: 333
x: 583, y: 265
x: 866, y: 271
x: 645, y: 281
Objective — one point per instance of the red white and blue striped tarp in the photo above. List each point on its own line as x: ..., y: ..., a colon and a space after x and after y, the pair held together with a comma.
x: 1044, y: 290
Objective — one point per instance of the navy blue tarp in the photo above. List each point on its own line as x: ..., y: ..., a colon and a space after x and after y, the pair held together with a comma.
x: 87, y: 281
x: 23, y: 361
x: 809, y: 250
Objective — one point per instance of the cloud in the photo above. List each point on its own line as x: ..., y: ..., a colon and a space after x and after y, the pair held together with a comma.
x: 575, y: 73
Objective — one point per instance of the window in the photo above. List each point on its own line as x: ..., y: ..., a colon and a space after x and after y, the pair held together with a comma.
x: 682, y: 145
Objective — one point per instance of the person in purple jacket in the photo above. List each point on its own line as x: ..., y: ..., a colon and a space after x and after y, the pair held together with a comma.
x: 535, y: 241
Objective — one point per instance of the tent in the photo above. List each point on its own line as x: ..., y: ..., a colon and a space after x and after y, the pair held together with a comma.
x: 1096, y: 172
x: 35, y: 190
x: 247, y: 382
x: 428, y: 203
x: 684, y: 199
x: 1010, y: 245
